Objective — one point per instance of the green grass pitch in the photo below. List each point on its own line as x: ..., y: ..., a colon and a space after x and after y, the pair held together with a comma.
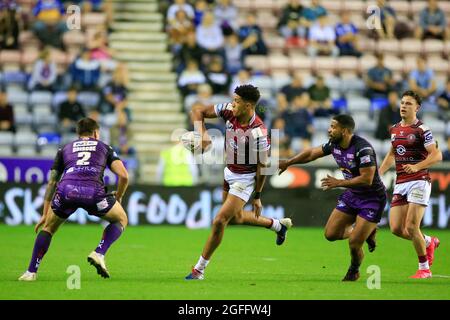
x: 150, y: 262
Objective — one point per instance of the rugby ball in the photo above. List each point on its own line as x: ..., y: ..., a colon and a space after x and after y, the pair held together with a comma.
x: 192, y: 140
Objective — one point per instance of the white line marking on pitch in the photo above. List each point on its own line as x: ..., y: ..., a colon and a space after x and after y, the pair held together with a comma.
x: 440, y: 276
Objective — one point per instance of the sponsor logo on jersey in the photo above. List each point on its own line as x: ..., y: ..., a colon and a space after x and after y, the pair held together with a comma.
x: 350, y: 156
x: 365, y: 159
x: 102, y: 205
x: 393, y: 137
x: 340, y: 204
x: 337, y: 151
x: 401, y: 150
x: 428, y: 136
x: 411, y: 138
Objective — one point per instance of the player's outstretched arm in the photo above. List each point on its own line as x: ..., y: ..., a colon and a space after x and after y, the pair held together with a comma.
x: 198, y: 115
x: 119, y: 169
x: 365, y: 178
x: 306, y: 156
x: 55, y: 175
x: 434, y: 156
x: 388, y: 162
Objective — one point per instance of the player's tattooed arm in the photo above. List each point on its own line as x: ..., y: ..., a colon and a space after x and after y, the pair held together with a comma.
x: 388, y: 162
x: 119, y: 169
x: 306, y: 156
x: 55, y: 175
x: 51, y: 186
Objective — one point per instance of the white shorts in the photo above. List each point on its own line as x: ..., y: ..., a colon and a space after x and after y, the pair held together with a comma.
x: 240, y: 185
x: 418, y: 191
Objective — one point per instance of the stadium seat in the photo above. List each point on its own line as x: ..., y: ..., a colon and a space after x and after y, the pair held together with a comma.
x: 394, y: 63
x: 26, y: 151
x: 74, y: 38
x: 401, y: 7
x: 10, y: 59
x: 334, y: 83
x: 438, y: 64
x: 435, y: 47
x: 366, y: 62
x: 352, y: 6
x: 352, y: 84
x: 363, y: 122
x: 93, y: 19
x: 326, y: 64
x: 68, y: 137
x: 408, y: 46
x: 301, y: 62
x: 410, y: 62
x: 279, y: 63
x: 321, y: 124
x: 417, y: 6
x: 88, y: 99
x: 266, y: 5
x: 263, y: 82
x: 345, y: 64
x: 25, y: 138
x: 334, y: 6
x: 280, y: 79
x: 358, y: 104
x: 40, y: 97
x: 6, y: 138
x: 388, y: 46
x: 437, y: 126
x: 6, y: 151
x: 276, y: 45
x: 28, y: 59
x: 17, y: 96
x: 58, y: 98
x: 243, y: 5
x: 367, y: 45
x: 256, y: 62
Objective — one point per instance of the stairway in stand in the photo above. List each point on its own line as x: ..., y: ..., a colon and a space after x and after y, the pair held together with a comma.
x: 140, y: 41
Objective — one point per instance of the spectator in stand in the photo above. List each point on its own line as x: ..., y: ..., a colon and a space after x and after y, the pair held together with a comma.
x: 189, y: 51
x: 422, y: 81
x: 70, y: 111
x: 446, y: 153
x: 85, y: 72
x: 226, y: 14
x: 50, y: 25
x: 190, y: 78
x: 347, y: 36
x: 209, y: 35
x: 251, y: 37
x: 295, y: 88
x: 388, y: 116
x: 114, y: 100
x: 88, y: 5
x: 322, y: 39
x: 100, y: 51
x: 388, y: 20
x: 234, y: 54
x: 6, y: 114
x: 299, y: 123
x: 44, y: 73
x: 200, y: 7
x: 120, y: 136
x: 311, y: 14
x: 444, y: 103
x: 433, y: 23
x: 243, y: 77
x: 379, y: 80
x: 290, y: 23
x: 178, y: 30
x: 180, y: 5
x: 9, y: 25
x: 280, y: 147
x: 217, y: 77
x: 321, y: 103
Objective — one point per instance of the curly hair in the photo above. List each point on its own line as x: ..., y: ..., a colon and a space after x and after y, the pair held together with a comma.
x: 248, y: 93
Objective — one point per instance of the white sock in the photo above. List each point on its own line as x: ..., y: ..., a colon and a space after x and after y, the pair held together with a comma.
x: 424, y: 266
x: 427, y: 240
x: 201, y: 264
x: 276, y: 225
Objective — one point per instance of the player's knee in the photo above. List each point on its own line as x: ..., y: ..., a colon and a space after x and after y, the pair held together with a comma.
x: 219, y: 223
x: 355, y: 243
x: 331, y: 236
x: 412, y: 228
x: 397, y: 230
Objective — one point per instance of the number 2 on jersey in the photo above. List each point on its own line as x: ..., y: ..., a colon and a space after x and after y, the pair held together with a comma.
x: 85, y: 156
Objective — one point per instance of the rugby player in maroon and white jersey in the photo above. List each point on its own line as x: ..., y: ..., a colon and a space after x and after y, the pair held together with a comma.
x: 247, y: 146
x: 413, y: 151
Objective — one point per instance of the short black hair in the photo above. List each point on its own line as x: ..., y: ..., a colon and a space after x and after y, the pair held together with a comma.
x: 345, y: 121
x: 248, y: 93
x: 86, y: 127
x: 414, y: 95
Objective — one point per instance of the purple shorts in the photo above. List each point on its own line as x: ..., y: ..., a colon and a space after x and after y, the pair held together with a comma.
x: 368, y: 207
x: 70, y: 196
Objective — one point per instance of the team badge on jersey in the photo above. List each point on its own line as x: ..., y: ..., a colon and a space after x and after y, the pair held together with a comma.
x: 411, y: 138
